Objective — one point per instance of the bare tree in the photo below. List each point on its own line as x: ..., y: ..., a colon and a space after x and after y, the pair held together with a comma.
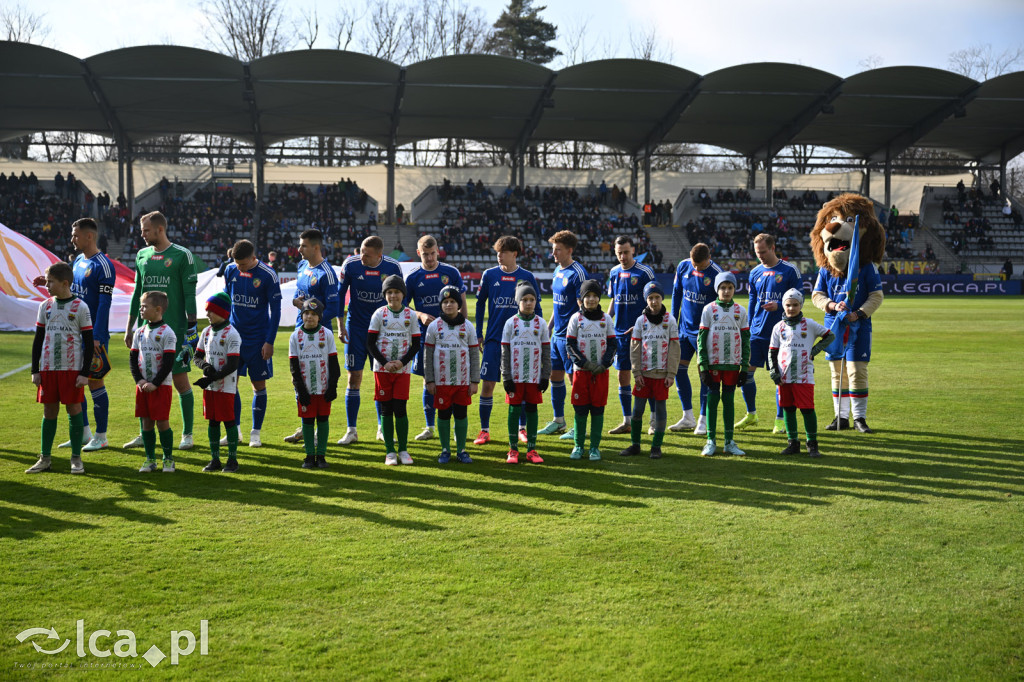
x: 307, y: 26
x: 981, y: 63
x: 872, y: 61
x: 384, y: 36
x: 647, y: 45
x: 20, y: 25
x: 247, y: 29
x: 343, y: 27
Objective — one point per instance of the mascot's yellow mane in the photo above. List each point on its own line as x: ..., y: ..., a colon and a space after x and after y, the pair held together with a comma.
x: 832, y: 231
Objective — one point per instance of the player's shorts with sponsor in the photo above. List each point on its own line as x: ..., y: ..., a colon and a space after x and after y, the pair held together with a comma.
x: 252, y: 364
x: 858, y: 348
x: 800, y: 396
x: 687, y: 347
x: 560, y: 360
x: 652, y: 388
x: 58, y: 386
x: 157, y: 405
x: 622, y: 360
x: 589, y: 389
x: 490, y: 367
x: 525, y: 393
x: 218, y: 406
x: 758, y: 351
x: 355, y: 349
x: 447, y: 396
x: 390, y: 386
x: 726, y: 377
x: 318, y: 407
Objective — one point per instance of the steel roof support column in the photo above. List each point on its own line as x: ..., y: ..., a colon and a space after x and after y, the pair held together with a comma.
x: 130, y: 180
x: 768, y: 163
x: 257, y: 212
x: 888, y: 178
x: 522, y: 167
x: 512, y: 168
x: 396, y: 113
x: 647, y: 175
x: 751, y: 173
x: 1002, y: 171
x: 634, y: 177
x: 865, y: 185
x: 249, y: 95
x: 391, y: 185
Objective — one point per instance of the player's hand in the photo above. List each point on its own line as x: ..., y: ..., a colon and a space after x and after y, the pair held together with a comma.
x: 37, y: 379
x: 638, y: 380
x: 741, y: 378
x: 128, y: 337
x: 543, y: 385
x: 192, y: 336
x: 705, y: 377
x: 342, y: 334
x: 149, y: 387
x: 509, y: 386
x: 852, y: 317
x: 39, y: 281
x: 473, y: 388
x: 669, y: 381
x: 771, y: 306
x: 840, y: 306
x: 298, y: 301
x: 425, y: 318
x: 431, y: 387
x: 81, y: 381
x: 96, y: 346
x: 186, y: 354
x: 268, y: 351
x: 203, y: 382
x: 775, y: 377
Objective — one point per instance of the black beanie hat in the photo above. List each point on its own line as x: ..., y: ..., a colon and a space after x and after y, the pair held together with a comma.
x: 393, y: 282
x: 590, y: 286
x: 522, y: 289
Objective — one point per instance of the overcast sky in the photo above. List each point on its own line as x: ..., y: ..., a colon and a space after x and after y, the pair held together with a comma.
x: 702, y: 37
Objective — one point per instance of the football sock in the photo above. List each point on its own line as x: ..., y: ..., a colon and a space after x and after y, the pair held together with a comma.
x: 402, y: 429
x: 750, y: 393
x: 712, y: 413
x: 187, y: 407
x: 352, y: 407
x: 238, y: 408
x: 810, y: 424
x: 428, y: 408
x: 75, y: 428
x: 558, y: 400
x: 683, y: 387
x: 461, y: 431
x: 167, y: 441
x: 444, y: 432
x: 323, y: 432
x: 486, y: 405
x: 531, y: 429
x: 388, y: 426
x: 213, y: 432
x: 624, y: 399
x: 513, y: 425
x: 48, y: 433
x: 149, y: 443
x: 309, y: 442
x: 728, y: 410
x: 232, y: 434
x: 579, y: 434
x: 259, y: 408
x: 85, y: 411
x: 596, y: 427
x: 790, y: 417
x: 101, y: 408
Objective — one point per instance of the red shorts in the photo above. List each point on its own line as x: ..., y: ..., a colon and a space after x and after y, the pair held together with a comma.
x: 157, y: 405
x: 390, y: 386
x: 446, y: 396
x: 726, y: 377
x: 652, y: 388
x: 58, y: 386
x: 800, y: 396
x: 589, y: 389
x: 318, y: 407
x: 218, y: 406
x: 525, y: 393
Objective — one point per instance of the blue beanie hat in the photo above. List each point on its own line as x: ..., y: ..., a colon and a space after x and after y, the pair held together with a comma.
x: 653, y: 288
x: 724, y: 277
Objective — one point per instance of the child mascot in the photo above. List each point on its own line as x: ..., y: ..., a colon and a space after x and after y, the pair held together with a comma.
x: 830, y: 241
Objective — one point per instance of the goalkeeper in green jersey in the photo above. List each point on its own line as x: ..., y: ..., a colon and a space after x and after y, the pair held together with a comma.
x: 171, y: 269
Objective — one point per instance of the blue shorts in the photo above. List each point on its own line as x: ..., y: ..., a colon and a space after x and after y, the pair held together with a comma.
x: 687, y: 348
x: 490, y: 364
x: 622, y: 360
x: 355, y: 350
x: 758, y: 351
x: 252, y: 364
x: 560, y: 360
x: 858, y: 345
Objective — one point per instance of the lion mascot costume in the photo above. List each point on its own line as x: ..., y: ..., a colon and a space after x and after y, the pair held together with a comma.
x: 830, y: 241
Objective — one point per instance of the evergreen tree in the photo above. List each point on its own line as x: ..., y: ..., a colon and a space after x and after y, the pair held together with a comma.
x: 520, y: 32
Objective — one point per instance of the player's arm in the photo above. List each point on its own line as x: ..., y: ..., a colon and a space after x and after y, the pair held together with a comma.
x: 675, y: 350
x: 819, y: 297
x: 677, y: 293
x: 188, y: 290
x: 274, y: 301
x: 745, y: 340
x: 428, y: 361
x: 481, y: 307
x: 703, y: 355
x: 133, y: 307
x: 874, y: 300
x: 101, y: 325
x: 87, y: 352
x: 37, y: 347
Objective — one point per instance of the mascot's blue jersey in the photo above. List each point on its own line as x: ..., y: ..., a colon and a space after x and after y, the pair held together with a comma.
x: 869, y: 281
x: 769, y: 284
x: 692, y: 289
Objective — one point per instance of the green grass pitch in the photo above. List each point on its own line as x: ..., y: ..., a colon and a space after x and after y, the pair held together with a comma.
x: 899, y: 555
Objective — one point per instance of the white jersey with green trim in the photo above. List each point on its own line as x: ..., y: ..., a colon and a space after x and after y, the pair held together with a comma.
x: 451, y: 351
x: 219, y: 346
x: 725, y: 327
x: 63, y: 322
x: 794, y: 344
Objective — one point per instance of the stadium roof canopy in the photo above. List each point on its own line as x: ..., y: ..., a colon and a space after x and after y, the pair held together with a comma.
x: 137, y: 93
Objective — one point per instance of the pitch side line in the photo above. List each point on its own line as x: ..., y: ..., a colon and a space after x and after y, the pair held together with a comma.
x: 15, y: 371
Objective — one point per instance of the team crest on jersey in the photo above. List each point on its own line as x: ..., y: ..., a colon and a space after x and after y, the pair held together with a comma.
x: 736, y: 316
x: 256, y: 283
x: 312, y: 280
x: 88, y: 271
x: 803, y: 335
x: 778, y: 278
x: 536, y: 333
x: 602, y: 325
x: 462, y: 335
x: 383, y: 276
x: 168, y: 263
x: 634, y: 280
x: 222, y: 342
x: 71, y: 316
x: 407, y: 323
x: 157, y: 339
x: 715, y: 317
x: 444, y: 279
x: 322, y: 344
x: 707, y: 281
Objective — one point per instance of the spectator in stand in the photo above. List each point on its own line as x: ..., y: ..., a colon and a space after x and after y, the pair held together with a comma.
x: 1008, y: 269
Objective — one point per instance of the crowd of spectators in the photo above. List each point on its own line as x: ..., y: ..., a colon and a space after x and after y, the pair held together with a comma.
x: 472, y: 218
x: 736, y: 240
x: 966, y: 213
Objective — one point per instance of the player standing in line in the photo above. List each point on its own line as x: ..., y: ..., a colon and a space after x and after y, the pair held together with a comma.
x: 692, y: 289
x: 362, y: 276
x: 767, y: 282
x: 217, y: 357
x: 590, y: 342
x: 171, y: 269
x: 451, y: 363
x: 424, y: 285
x: 565, y: 293
x: 255, y: 294
x: 497, y: 298
x: 152, y: 361
x: 525, y: 370
x: 94, y: 279
x: 313, y: 358
x: 61, y: 354
x: 393, y: 340
x: 626, y: 290
x: 316, y: 279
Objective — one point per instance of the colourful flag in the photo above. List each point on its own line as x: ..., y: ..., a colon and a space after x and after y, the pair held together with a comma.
x: 849, y: 291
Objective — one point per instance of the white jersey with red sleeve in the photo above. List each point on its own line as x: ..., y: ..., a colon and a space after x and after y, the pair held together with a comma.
x: 313, y: 351
x: 63, y: 322
x: 395, y: 332
x: 655, y: 340
x: 451, y: 351
x: 526, y: 342
x: 592, y: 336
x: 153, y: 343
x: 219, y: 346
x: 794, y: 343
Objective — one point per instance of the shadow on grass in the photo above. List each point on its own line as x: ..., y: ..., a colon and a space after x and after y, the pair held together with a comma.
x: 906, y: 467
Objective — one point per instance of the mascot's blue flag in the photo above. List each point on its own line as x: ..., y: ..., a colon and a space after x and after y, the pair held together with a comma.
x: 852, y: 274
